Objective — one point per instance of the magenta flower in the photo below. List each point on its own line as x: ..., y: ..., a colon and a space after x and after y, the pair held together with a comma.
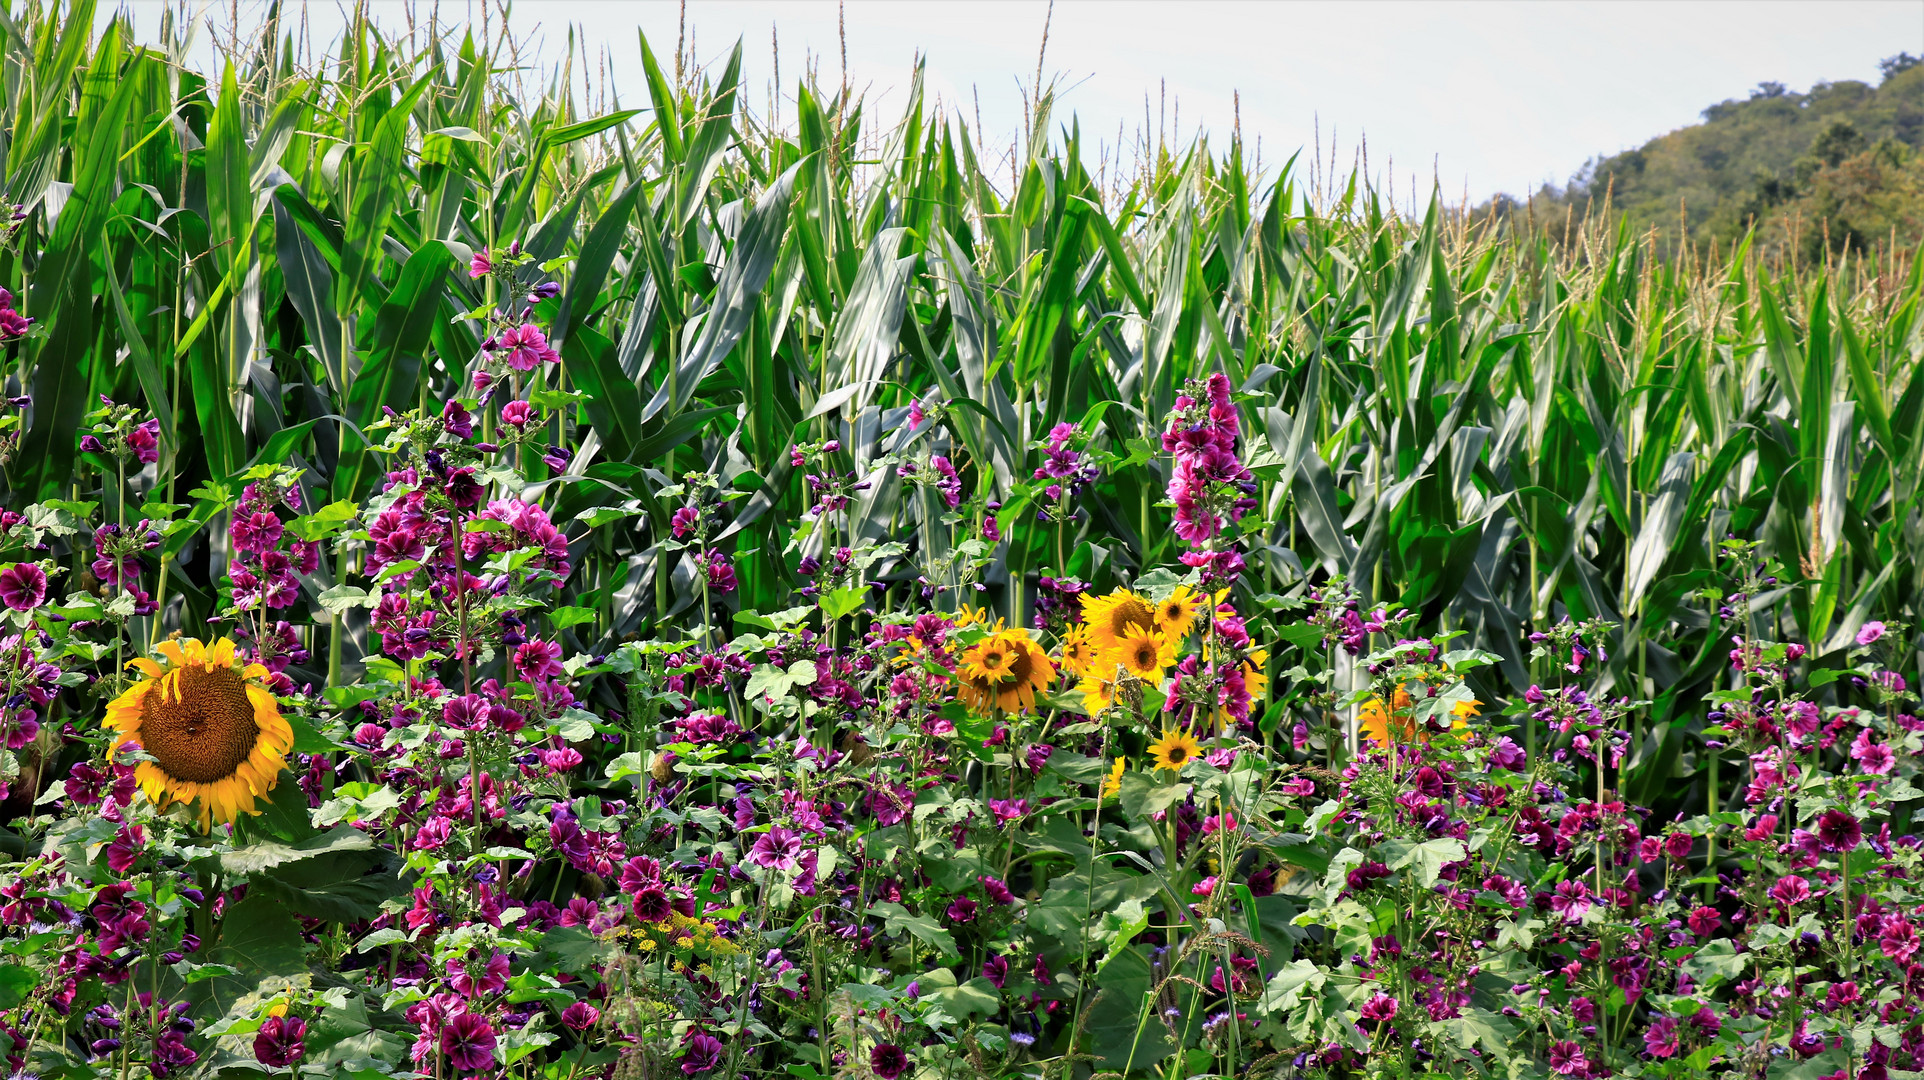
x: 701, y: 1052
x: 1704, y: 921
x: 1872, y: 757
x: 145, y: 440
x: 1660, y: 1038
x: 537, y: 660
x: 1007, y: 810
x: 963, y: 909
x: 998, y: 891
x: 278, y: 1043
x: 125, y: 850
x: 480, y: 265
x: 474, y: 980
x: 1571, y: 900
x: 1790, y: 890
x: 580, y: 1016
x: 776, y: 849
x: 652, y: 905
x: 1566, y: 1059
x: 1838, y: 831
x: 468, y: 1043
x: 1871, y: 632
x: 23, y: 586
x: 888, y: 1061
x: 517, y: 414
x: 1898, y: 938
x: 720, y: 573
x: 996, y: 970
x: 1379, y: 1009
x: 527, y: 347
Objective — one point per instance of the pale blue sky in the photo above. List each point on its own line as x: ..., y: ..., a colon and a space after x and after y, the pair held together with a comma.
x: 1485, y: 96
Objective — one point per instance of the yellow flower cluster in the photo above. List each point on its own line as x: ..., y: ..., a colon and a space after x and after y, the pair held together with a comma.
x: 1375, y: 720
x: 680, y: 933
x: 1126, y: 634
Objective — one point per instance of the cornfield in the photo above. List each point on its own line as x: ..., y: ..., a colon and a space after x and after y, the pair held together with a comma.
x: 1496, y: 435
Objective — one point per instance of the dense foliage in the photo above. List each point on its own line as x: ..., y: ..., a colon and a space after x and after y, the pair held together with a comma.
x: 492, y: 591
x: 1815, y: 174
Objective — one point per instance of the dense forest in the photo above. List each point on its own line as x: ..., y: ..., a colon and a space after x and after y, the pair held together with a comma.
x: 1833, y: 168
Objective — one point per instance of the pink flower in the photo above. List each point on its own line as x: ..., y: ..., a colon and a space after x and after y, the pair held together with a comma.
x: 1871, y: 632
x: 916, y: 415
x: 278, y: 1043
x: 527, y: 347
x: 1566, y: 1059
x: 1898, y: 939
x: 1007, y: 810
x: 479, y: 266
x: 125, y: 850
x: 1790, y: 890
x: 23, y: 587
x: 474, y: 981
x: 1660, y: 1038
x: 468, y: 1043
x: 1380, y: 1009
x: 1838, y: 831
x: 537, y: 660
x: 776, y: 849
x: 1704, y: 921
x: 1871, y: 757
x: 517, y: 414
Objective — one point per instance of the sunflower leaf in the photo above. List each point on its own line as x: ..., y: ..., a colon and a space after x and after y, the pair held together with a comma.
x: 267, y: 854
x: 1143, y: 796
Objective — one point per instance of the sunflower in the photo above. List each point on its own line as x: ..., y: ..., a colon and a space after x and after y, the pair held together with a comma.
x: 1004, y: 670
x: 1255, y: 679
x: 1110, y: 617
x: 1175, y: 749
x: 214, y: 732
x: 1078, y: 652
x: 1112, y: 783
x: 1144, y: 654
x: 1373, y: 720
x: 1175, y: 615
x: 968, y: 616
x: 1097, y: 694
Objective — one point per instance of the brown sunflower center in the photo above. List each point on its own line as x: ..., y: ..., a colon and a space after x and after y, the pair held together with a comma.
x: 1130, y: 613
x: 1020, y: 665
x: 1144, y: 656
x: 198, y: 724
x: 1178, y: 754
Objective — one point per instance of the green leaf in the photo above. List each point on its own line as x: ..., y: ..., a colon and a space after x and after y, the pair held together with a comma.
x: 843, y: 601
x: 266, y: 854
x: 1143, y: 796
x: 1427, y: 858
x: 565, y: 617
x: 924, y: 928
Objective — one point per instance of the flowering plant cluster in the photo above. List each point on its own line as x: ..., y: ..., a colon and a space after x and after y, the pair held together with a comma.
x: 884, y: 832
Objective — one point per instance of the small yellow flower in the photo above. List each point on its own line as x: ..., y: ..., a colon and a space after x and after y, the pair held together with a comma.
x: 1097, y: 694
x: 1004, y: 670
x: 1145, y: 654
x: 1078, y: 652
x: 1466, y: 708
x: 1112, y: 616
x: 1112, y: 784
x: 1175, y: 749
x: 1177, y: 614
